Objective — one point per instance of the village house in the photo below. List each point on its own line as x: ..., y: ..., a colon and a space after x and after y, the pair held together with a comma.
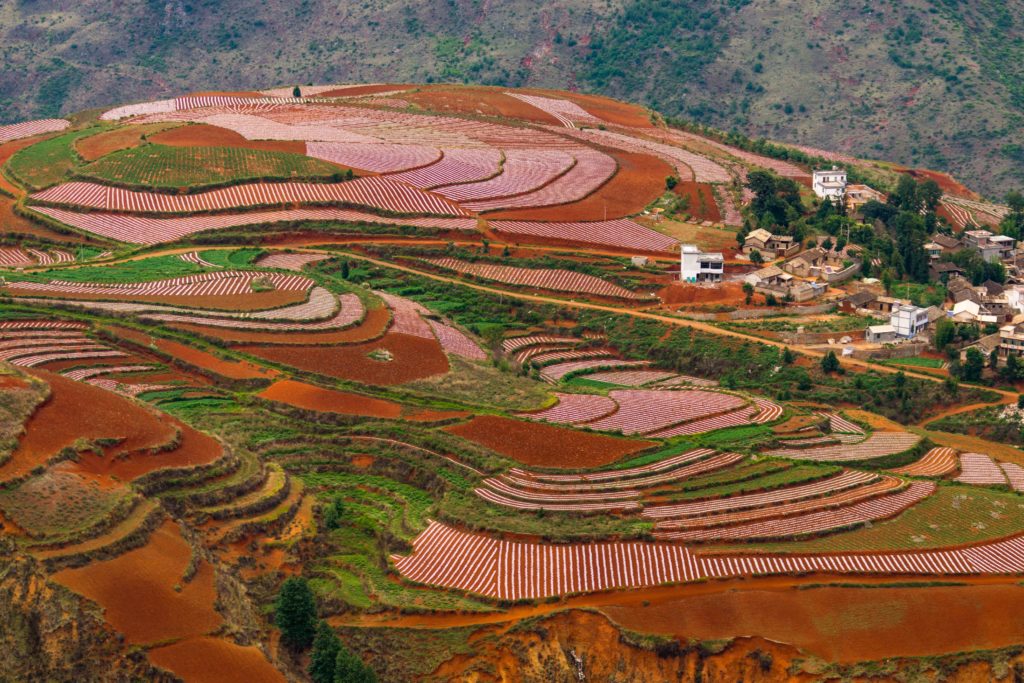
x: 856, y: 196
x: 698, y: 266
x: 856, y: 302
x: 880, y: 334
x: 944, y: 270
x: 1011, y: 340
x: 991, y: 247
x: 817, y: 263
x: 908, y: 320
x: 949, y: 244
x: 770, y: 245
x: 885, y: 304
x: 830, y: 184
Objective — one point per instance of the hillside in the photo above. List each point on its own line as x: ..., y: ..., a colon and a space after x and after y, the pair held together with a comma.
x: 425, y: 369
x: 925, y: 83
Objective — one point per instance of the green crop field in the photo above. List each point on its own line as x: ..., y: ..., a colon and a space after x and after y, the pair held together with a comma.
x: 48, y: 162
x: 162, y: 166
x: 917, y: 362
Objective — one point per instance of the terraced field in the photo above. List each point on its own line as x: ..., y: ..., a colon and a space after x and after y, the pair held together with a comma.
x: 269, y: 373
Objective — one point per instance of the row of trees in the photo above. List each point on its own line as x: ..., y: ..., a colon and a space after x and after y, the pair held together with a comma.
x: 296, y: 617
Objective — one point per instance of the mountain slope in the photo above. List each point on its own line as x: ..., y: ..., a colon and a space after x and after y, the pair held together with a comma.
x: 938, y: 83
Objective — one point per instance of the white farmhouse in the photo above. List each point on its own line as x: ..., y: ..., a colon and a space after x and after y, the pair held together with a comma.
x: 830, y: 183
x: 908, y: 320
x: 697, y: 266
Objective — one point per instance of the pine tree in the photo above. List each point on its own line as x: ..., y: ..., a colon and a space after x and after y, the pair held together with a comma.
x: 297, y: 92
x: 295, y: 613
x: 344, y: 270
x: 829, y: 362
x: 350, y: 669
x: 324, y: 658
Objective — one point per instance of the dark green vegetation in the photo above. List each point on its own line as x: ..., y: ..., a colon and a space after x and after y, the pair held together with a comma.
x: 1000, y: 423
x: 925, y: 82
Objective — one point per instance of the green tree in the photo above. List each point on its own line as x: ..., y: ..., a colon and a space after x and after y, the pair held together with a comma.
x: 993, y: 359
x: 345, y: 271
x: 297, y: 91
x: 295, y: 613
x: 829, y: 362
x: 1011, y: 370
x: 945, y: 332
x: 756, y: 258
x: 974, y: 363
x: 324, y: 658
x: 748, y: 292
x: 788, y: 356
x: 350, y: 669
x: 670, y: 182
x: 333, y: 513
x: 1020, y: 402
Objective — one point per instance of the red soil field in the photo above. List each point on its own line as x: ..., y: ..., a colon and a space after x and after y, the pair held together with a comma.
x: 479, y: 101
x: 374, y: 325
x: 61, y: 365
x: 76, y: 410
x: 200, y: 359
x: 946, y: 182
x: 215, y: 660
x: 844, y: 624
x: 12, y: 223
x: 612, y: 111
x: 237, y: 302
x: 205, y: 135
x: 541, y: 445
x: 681, y: 293
x: 312, y: 397
x: 95, y: 146
x: 226, y: 93
x: 195, y: 448
x: 414, y: 358
x: 136, y: 590
x: 371, y: 89
x: 12, y: 382
x: 640, y: 180
x: 706, y: 211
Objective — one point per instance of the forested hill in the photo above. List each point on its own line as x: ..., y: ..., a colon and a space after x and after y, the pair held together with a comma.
x: 936, y: 83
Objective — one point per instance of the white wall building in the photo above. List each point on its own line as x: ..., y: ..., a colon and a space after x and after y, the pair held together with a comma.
x: 908, y: 320
x: 697, y: 266
x: 830, y: 183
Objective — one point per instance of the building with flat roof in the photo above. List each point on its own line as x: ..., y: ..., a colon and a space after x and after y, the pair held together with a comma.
x: 699, y: 266
x: 830, y: 184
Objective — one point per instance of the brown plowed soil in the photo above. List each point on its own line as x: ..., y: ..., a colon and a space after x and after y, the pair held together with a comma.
x: 195, y: 448
x: 702, y: 200
x: 946, y: 182
x: 478, y: 101
x: 311, y: 397
x: 639, y: 180
x: 239, y: 302
x: 205, y: 135
x: 215, y: 660
x: 372, y: 89
x: 137, y: 590
x: 679, y: 293
x: 99, y: 145
x: 62, y: 365
x: 845, y: 624
x: 373, y: 326
x: 542, y: 445
x: 80, y: 411
x: 413, y: 358
x: 200, y: 359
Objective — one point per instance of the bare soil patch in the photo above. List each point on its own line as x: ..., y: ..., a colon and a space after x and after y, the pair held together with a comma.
x: 370, y: 89
x: 137, y: 590
x: 478, y: 101
x: 80, y: 411
x: 541, y: 445
x: 845, y: 624
x: 215, y: 660
x: 93, y: 147
x: 200, y: 359
x: 612, y: 111
x: 311, y: 397
x: 702, y: 200
x: 412, y: 358
x: 205, y: 135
